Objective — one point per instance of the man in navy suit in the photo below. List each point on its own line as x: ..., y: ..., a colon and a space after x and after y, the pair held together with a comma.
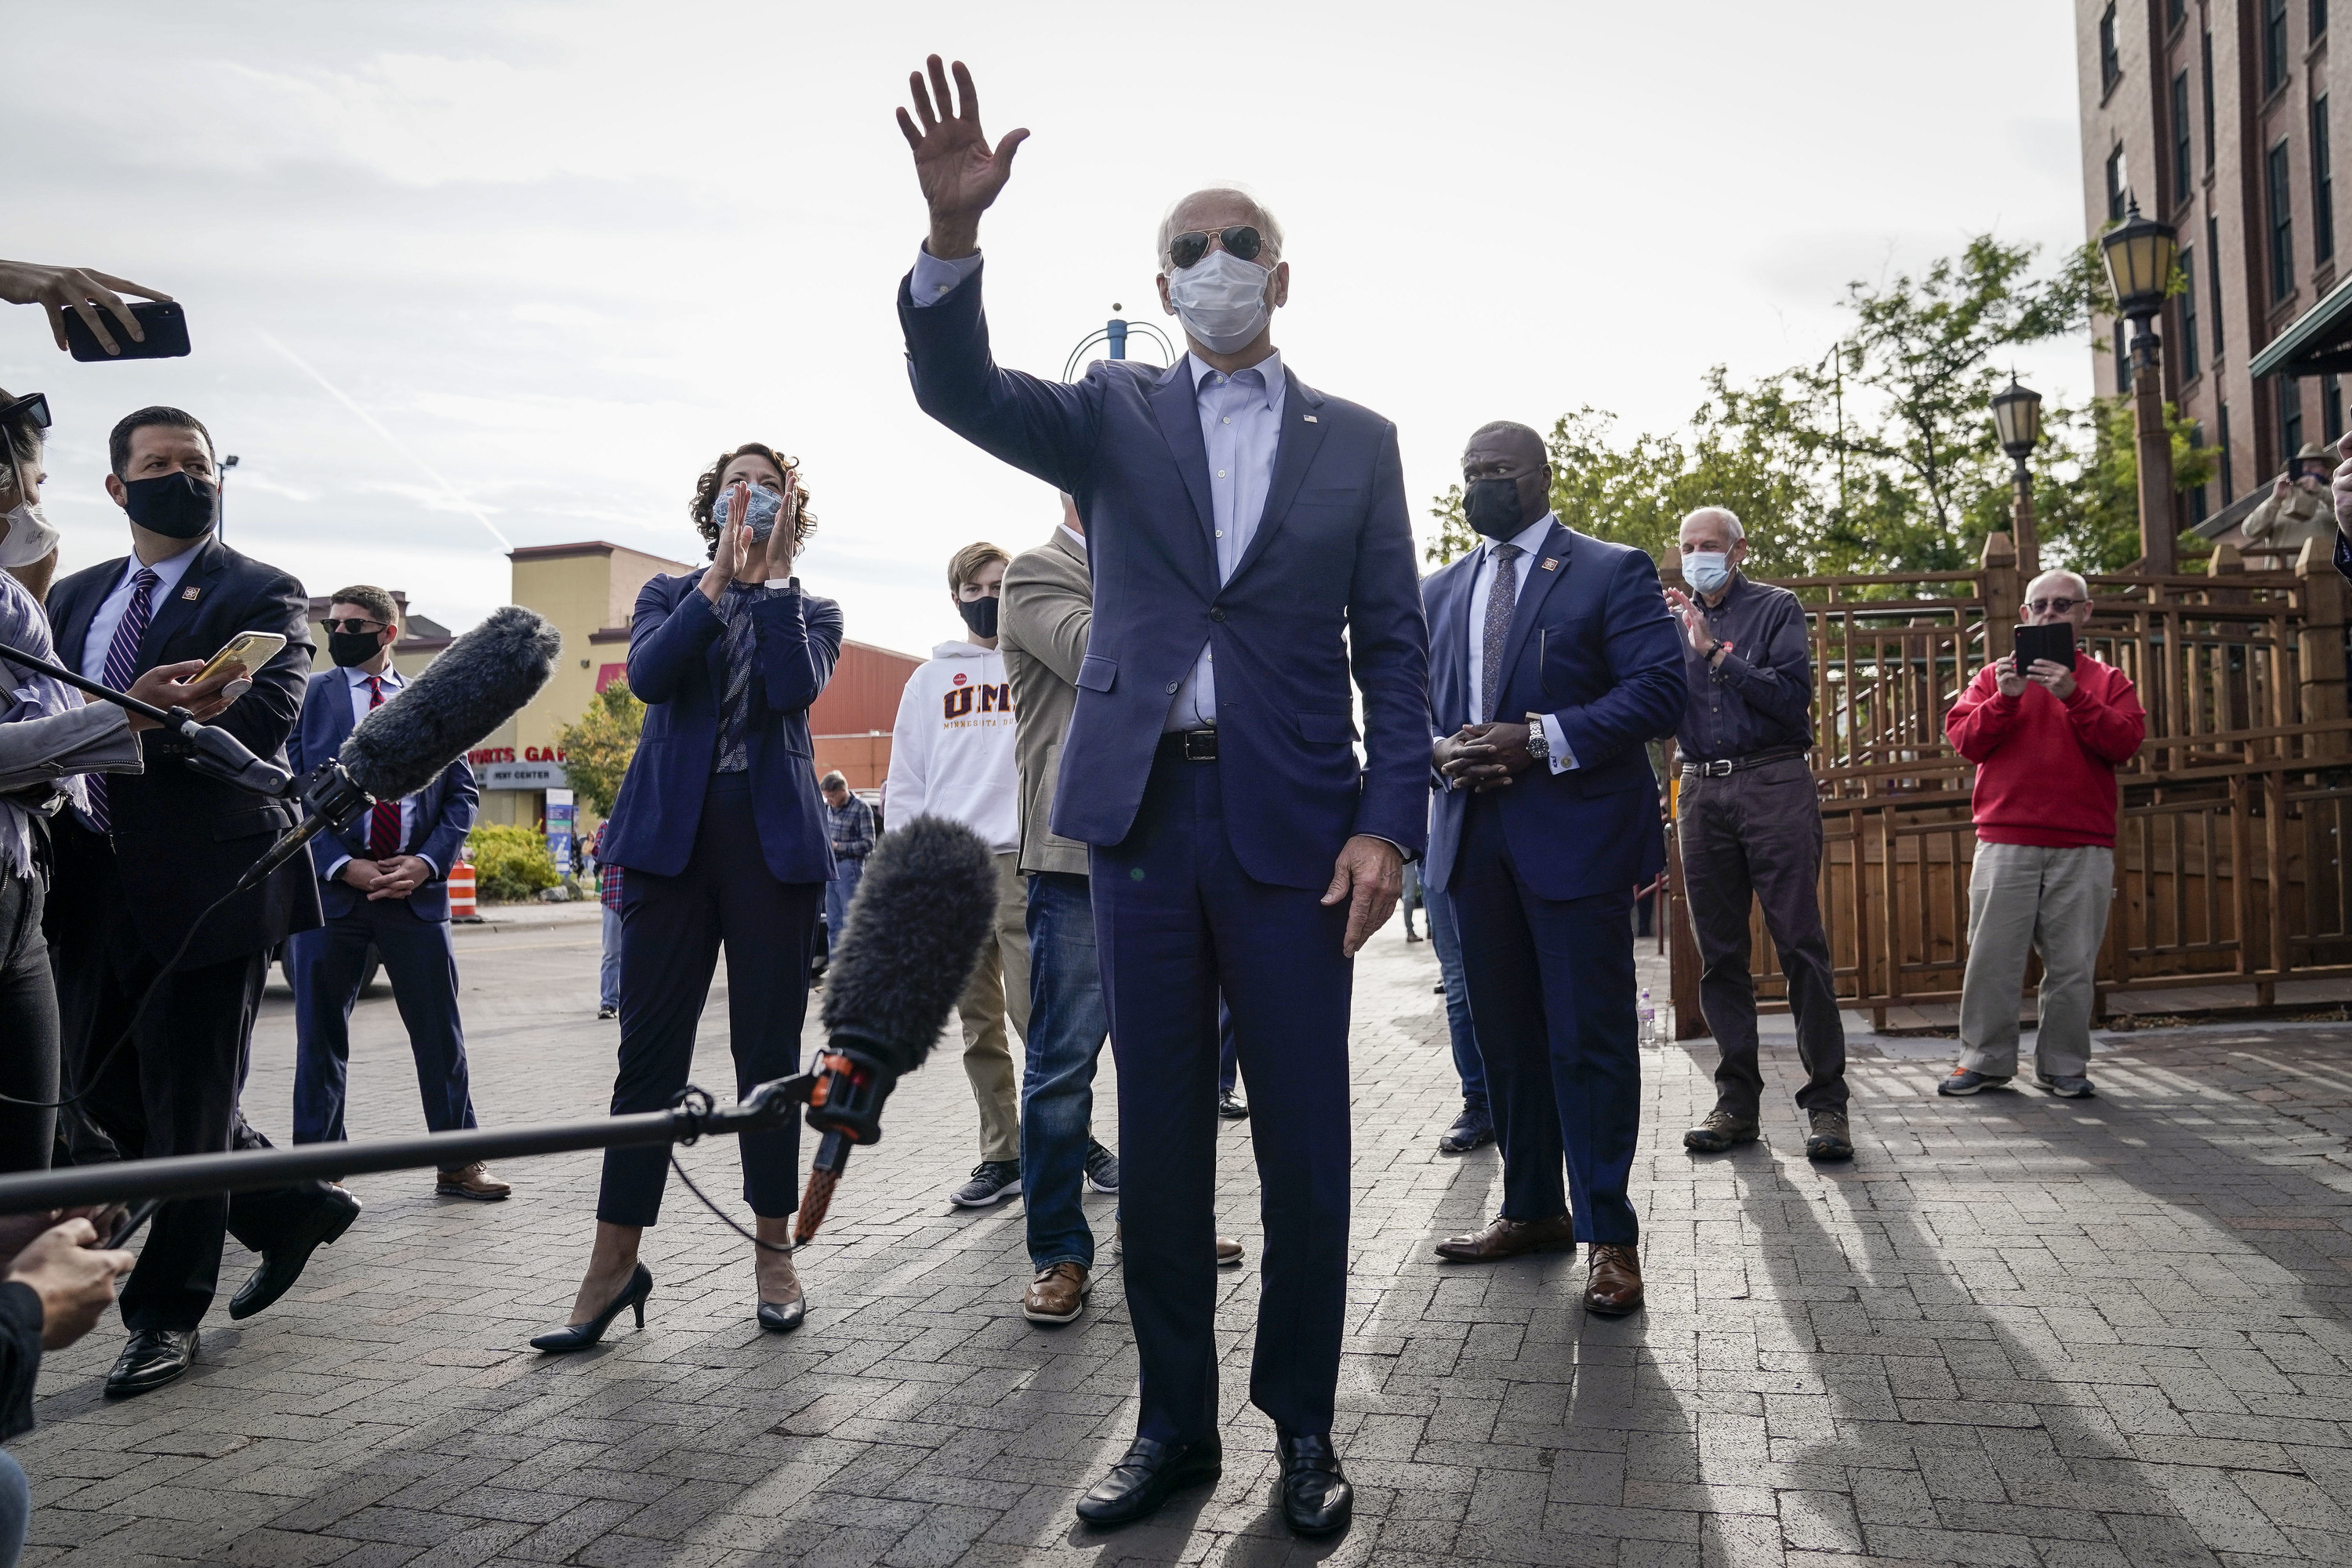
x: 137, y: 873
x: 1553, y: 662
x: 382, y: 883
x: 1249, y: 545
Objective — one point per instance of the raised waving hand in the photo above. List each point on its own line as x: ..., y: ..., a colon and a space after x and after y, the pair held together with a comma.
x: 960, y: 172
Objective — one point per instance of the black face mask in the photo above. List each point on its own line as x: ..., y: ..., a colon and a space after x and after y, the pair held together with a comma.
x: 1493, y: 507
x: 178, y: 506
x: 980, y: 615
x: 348, y: 648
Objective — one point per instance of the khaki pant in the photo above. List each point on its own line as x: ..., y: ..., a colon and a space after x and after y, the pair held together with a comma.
x: 2024, y: 898
x: 997, y: 986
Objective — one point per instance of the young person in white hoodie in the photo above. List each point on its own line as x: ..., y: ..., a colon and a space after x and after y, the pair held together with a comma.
x: 952, y: 755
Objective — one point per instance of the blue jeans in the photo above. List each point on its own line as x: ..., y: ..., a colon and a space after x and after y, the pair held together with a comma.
x: 1443, y: 937
x: 16, y: 1510
x: 847, y: 874
x: 1069, y: 1021
x: 608, y: 976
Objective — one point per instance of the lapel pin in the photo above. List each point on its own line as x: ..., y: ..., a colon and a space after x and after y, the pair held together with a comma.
x: 1310, y: 419
x: 190, y: 593
x: 1551, y: 563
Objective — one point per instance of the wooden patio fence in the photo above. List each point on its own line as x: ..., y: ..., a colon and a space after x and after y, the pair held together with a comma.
x: 2229, y: 861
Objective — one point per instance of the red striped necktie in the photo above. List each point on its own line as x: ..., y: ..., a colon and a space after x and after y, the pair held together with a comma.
x: 383, y: 822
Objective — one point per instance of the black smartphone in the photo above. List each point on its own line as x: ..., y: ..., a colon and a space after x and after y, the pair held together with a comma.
x: 166, y: 325
x: 140, y: 1214
x: 2055, y: 642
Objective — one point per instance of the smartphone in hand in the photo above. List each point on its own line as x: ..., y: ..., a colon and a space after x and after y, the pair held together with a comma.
x: 163, y: 321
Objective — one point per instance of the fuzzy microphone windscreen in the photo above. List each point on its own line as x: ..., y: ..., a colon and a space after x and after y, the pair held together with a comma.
x: 481, y: 682
x: 926, y: 904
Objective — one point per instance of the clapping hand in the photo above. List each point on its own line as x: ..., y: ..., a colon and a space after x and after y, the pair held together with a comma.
x: 783, y: 540
x: 83, y: 290
x: 961, y: 175
x: 1693, y: 620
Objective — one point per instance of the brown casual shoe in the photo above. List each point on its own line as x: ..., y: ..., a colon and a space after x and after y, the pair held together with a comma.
x: 1510, y: 1238
x: 1057, y: 1294
x: 1831, y: 1137
x: 1614, y: 1286
x: 1720, y: 1131
x: 1229, y: 1252
x: 470, y: 1182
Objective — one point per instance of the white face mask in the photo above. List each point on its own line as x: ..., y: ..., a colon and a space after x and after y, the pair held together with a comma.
x: 27, y: 536
x: 1221, y: 299
x: 1708, y: 570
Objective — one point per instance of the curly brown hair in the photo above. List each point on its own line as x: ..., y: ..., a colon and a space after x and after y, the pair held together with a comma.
x: 704, y: 507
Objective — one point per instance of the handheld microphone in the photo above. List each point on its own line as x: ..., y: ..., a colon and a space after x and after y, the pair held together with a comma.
x: 481, y: 682
x: 914, y: 933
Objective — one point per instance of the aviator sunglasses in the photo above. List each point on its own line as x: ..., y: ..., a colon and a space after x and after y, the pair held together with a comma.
x: 1187, y: 248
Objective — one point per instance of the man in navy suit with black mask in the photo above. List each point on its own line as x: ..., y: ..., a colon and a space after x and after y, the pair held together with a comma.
x: 382, y: 883
x: 1553, y: 661
x: 1249, y: 546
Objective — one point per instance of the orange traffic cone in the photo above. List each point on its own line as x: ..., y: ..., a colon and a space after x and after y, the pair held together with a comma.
x: 461, y: 893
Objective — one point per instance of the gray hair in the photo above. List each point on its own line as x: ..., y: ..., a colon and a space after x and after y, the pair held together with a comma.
x: 1267, y: 224
x: 2080, y: 582
x: 833, y: 780
x: 1731, y: 520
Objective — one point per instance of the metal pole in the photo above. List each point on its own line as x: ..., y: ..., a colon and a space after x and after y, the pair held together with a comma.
x: 1115, y: 330
x: 2156, y: 531
x: 2028, y: 547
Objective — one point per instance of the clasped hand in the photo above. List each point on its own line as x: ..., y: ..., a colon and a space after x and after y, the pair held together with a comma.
x: 2051, y: 676
x: 394, y: 877
x: 1483, y: 757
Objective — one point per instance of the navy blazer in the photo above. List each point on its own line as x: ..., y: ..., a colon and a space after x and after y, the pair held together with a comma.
x: 1327, y: 579
x: 445, y: 808
x: 181, y: 837
x: 1592, y: 644
x: 678, y: 665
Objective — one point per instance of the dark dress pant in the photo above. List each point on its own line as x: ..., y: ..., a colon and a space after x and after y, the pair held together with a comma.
x: 1552, y: 990
x: 28, y: 1027
x: 1178, y: 921
x: 172, y: 1089
x: 327, y: 966
x: 1755, y: 835
x: 672, y: 928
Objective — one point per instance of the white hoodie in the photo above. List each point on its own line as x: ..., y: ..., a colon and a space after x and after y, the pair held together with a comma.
x: 951, y: 751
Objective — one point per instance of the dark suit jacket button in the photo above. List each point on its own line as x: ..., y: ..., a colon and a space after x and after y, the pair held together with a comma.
x: 1216, y: 615
x: 1173, y: 686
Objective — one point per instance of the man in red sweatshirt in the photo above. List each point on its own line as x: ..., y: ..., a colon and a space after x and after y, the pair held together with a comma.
x: 2046, y: 741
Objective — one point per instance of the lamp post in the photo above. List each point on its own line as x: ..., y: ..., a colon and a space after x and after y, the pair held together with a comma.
x: 220, y: 516
x: 2139, y: 253
x: 1115, y: 332
x: 2017, y: 420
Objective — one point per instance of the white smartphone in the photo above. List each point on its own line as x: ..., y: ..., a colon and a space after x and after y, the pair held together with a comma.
x: 251, y: 649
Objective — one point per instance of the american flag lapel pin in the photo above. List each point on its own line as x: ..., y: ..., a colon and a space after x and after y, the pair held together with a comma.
x: 1310, y: 419
x: 190, y: 593
x: 1551, y: 563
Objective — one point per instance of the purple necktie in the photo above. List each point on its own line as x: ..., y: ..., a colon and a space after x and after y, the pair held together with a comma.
x: 1502, y: 598
x: 121, y: 669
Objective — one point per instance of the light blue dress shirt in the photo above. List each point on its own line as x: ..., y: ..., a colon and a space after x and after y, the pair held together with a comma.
x: 109, y: 615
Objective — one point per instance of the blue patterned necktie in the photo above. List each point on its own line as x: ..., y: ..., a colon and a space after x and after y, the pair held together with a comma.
x: 121, y: 669
x: 1502, y: 598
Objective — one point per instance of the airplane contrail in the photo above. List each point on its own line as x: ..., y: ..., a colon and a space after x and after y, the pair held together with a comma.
x: 389, y: 440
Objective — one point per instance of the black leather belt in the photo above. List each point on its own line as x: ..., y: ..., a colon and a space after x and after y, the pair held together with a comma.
x: 1191, y: 745
x: 1727, y: 767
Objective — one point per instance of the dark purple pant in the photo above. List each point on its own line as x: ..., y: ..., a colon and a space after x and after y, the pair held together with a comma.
x: 1756, y: 834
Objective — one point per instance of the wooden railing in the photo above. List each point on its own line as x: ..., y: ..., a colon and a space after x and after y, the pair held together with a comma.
x: 2234, y: 813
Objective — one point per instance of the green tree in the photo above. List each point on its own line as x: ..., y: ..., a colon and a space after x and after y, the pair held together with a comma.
x: 598, y: 745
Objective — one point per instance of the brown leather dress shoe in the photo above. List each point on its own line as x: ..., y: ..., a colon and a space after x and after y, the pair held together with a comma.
x: 1510, y: 1238
x: 1613, y: 1288
x: 469, y: 1181
x: 1057, y: 1294
x: 1229, y: 1252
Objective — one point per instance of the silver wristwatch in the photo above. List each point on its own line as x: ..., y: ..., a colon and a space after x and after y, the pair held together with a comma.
x: 1539, y: 743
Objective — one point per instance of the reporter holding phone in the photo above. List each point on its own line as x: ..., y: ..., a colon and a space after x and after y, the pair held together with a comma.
x: 722, y: 835
x: 2046, y: 740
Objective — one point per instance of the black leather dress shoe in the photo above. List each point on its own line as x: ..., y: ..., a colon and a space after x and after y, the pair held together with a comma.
x: 1151, y: 1473
x: 1316, y: 1498
x: 153, y: 1358
x: 282, y: 1265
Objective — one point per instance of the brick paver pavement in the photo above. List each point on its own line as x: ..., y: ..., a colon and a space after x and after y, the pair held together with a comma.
x: 2017, y: 1330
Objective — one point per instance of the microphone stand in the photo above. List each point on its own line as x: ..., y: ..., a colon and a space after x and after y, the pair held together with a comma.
x: 212, y: 750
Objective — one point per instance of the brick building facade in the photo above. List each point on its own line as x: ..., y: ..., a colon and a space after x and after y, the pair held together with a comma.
x: 2219, y: 117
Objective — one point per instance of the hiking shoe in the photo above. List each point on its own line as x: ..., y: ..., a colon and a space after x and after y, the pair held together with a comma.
x: 1831, y: 1138
x: 1965, y: 1080
x: 608, y: 1011
x: 993, y: 1181
x: 1473, y: 1128
x: 1720, y: 1131
x: 2065, y: 1086
x: 1102, y: 1168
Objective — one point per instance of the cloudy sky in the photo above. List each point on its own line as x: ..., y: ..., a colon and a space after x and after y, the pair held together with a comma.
x: 466, y: 275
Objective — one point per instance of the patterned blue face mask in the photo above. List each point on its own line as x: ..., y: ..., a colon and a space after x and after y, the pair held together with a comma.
x: 760, y: 511
x: 1708, y: 570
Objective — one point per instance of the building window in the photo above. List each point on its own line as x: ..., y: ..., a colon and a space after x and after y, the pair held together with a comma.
x: 2274, y: 44
x: 2199, y: 506
x: 2182, y: 176
x: 2175, y: 12
x: 2282, y: 224
x: 2290, y: 397
x: 2318, y: 20
x: 2118, y: 184
x: 2331, y: 408
x: 2187, y: 313
x: 2228, y: 484
x: 2207, y: 46
x: 2111, y: 64
x: 2123, y: 363
x: 2322, y: 185
x: 2213, y: 280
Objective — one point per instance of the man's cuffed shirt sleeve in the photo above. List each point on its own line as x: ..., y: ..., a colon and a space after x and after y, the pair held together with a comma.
x: 935, y: 280
x: 1563, y: 755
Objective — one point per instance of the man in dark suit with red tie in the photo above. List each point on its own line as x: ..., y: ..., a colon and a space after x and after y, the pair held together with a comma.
x: 137, y: 880
x: 382, y: 883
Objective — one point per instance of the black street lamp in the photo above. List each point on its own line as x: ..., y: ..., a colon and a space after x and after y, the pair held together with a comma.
x: 2139, y: 255
x: 2017, y: 420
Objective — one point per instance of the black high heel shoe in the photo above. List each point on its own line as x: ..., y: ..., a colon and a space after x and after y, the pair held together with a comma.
x: 783, y: 1318
x: 579, y: 1336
